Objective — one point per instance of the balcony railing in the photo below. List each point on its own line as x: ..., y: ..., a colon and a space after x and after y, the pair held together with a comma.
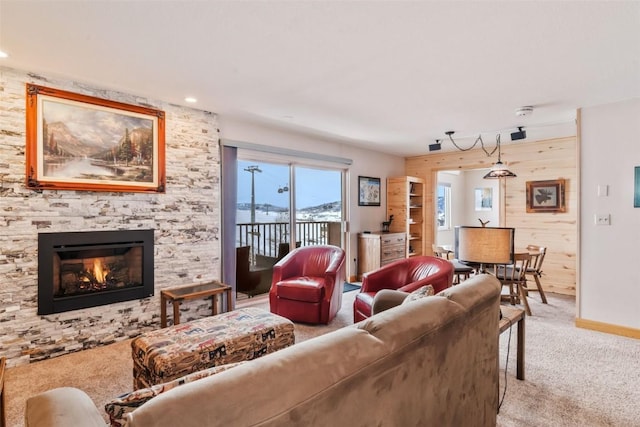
x: 266, y: 237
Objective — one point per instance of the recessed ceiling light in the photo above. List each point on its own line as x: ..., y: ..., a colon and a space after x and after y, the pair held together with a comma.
x: 3, y: 54
x: 190, y: 99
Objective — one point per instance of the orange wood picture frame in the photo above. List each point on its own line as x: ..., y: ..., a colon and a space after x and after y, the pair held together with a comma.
x: 79, y: 142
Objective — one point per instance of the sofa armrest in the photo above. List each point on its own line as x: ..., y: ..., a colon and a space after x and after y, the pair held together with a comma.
x: 386, y: 299
x: 65, y: 406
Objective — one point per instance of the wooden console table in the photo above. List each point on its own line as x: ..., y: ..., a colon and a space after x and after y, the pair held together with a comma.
x: 511, y: 315
x: 200, y: 290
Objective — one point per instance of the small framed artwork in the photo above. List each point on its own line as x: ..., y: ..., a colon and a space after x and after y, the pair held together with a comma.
x: 546, y: 196
x: 368, y: 191
x: 484, y: 199
x: 78, y: 142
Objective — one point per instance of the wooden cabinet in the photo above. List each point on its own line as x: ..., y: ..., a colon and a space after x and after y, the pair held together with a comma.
x: 406, y: 202
x: 378, y: 249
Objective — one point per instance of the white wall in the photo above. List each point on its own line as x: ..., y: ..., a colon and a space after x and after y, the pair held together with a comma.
x: 365, y: 163
x: 609, y: 290
x: 474, y: 179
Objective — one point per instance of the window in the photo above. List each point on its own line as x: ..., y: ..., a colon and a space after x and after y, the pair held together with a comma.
x: 444, y: 206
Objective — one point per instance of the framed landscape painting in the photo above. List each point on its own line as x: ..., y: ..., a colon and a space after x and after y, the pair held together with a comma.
x: 78, y: 142
x: 546, y: 196
x: 368, y: 191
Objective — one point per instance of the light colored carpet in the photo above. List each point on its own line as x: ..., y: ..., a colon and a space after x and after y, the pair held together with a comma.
x: 574, y: 377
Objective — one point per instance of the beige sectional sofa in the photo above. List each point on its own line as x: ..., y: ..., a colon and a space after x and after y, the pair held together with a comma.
x: 433, y: 361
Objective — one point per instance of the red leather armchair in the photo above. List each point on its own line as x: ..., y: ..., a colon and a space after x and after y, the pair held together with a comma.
x: 405, y: 275
x: 307, y: 284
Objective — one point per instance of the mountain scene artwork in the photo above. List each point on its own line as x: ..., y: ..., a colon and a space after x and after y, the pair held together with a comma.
x: 81, y: 143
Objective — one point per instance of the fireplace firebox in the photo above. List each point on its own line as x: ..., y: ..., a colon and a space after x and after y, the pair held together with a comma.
x: 87, y: 269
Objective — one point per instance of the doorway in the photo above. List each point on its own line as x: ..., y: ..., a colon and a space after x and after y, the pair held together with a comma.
x: 464, y: 198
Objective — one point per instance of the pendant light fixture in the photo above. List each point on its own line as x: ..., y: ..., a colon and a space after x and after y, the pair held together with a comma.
x: 499, y: 170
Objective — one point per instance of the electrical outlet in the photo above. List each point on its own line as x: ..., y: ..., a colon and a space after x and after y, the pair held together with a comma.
x: 603, y: 219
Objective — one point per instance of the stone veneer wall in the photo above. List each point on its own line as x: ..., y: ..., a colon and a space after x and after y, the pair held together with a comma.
x: 186, y: 220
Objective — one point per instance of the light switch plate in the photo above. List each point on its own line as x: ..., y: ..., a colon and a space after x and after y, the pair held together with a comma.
x: 603, y: 190
x: 603, y: 219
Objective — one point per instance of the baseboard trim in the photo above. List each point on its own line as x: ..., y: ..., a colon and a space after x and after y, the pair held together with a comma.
x: 608, y: 328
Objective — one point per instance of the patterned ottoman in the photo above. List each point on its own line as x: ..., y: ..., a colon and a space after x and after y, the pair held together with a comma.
x: 172, y: 352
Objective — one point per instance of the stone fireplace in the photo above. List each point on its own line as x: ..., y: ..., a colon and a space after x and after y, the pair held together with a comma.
x: 87, y: 269
x: 186, y: 220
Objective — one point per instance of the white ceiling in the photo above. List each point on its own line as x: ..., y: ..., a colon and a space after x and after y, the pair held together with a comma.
x: 392, y: 76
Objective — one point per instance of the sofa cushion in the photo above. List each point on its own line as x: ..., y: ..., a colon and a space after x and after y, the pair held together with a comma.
x: 424, y: 291
x: 302, y: 288
x: 118, y: 407
x: 386, y: 299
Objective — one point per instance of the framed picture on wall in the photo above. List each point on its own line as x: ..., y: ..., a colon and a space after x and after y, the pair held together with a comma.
x: 484, y: 199
x: 79, y: 142
x: 368, y: 191
x: 546, y: 196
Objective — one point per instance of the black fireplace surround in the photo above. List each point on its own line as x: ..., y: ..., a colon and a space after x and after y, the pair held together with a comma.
x: 87, y: 269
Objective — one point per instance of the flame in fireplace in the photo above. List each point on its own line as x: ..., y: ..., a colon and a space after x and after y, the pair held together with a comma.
x: 99, y: 272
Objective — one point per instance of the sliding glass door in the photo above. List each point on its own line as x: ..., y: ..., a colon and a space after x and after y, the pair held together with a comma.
x: 318, y: 206
x: 267, y: 195
x: 263, y: 207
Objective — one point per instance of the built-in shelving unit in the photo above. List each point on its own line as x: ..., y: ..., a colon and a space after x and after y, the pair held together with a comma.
x: 406, y: 202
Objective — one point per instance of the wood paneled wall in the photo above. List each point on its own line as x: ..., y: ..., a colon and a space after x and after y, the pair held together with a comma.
x: 533, y: 161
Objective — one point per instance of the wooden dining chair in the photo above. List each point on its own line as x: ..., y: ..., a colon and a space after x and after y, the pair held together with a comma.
x: 513, y: 276
x: 535, y: 268
x: 440, y: 252
x: 461, y: 271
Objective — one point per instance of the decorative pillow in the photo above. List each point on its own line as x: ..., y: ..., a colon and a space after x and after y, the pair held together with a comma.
x: 118, y: 407
x: 425, y: 291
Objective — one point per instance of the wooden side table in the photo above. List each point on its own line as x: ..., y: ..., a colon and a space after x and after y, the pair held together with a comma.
x: 511, y: 315
x: 200, y: 290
